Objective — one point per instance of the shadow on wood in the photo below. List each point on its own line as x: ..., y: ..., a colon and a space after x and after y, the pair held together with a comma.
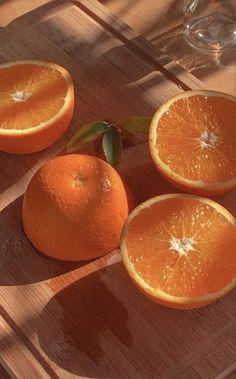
x: 20, y: 262
x: 101, y: 326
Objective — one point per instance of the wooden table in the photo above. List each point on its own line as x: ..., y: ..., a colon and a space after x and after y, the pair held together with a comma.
x: 160, y: 22
x: 71, y: 320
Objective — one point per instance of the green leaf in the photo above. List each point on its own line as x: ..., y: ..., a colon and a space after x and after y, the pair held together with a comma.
x: 112, y: 145
x: 137, y: 124
x: 86, y: 134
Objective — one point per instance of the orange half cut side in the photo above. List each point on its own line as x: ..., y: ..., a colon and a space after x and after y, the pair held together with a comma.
x: 180, y: 250
x: 36, y: 105
x: 192, y: 141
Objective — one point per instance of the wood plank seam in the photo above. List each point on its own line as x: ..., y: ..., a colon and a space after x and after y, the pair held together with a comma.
x: 25, y: 340
x: 138, y: 45
x: 231, y: 370
x: 134, y: 42
x: 28, y: 20
x: 7, y: 370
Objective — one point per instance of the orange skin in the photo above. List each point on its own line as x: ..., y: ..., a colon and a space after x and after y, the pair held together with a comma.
x: 197, y: 191
x: 185, y: 306
x: 75, y: 207
x: 40, y: 139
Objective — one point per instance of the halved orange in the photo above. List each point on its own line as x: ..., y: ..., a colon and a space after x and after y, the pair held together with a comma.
x: 36, y: 105
x: 192, y: 141
x: 180, y: 250
x: 75, y: 207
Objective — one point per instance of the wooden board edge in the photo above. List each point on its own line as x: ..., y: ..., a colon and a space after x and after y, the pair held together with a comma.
x: 102, y: 15
x: 28, y: 20
x: 16, y: 356
x: 139, y: 45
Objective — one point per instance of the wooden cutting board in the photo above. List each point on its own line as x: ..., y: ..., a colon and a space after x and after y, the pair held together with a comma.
x: 72, y: 320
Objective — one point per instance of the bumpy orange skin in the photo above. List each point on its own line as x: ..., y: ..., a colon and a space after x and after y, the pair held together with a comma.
x: 75, y: 207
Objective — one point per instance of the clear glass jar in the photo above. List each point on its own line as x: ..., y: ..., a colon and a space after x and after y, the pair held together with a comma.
x: 210, y: 25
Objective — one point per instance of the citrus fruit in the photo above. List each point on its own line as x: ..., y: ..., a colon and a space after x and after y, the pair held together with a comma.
x: 180, y: 250
x: 74, y: 208
x: 36, y: 105
x: 192, y: 141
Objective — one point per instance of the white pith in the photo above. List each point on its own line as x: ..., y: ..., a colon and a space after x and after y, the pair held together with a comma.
x: 182, y: 245
x: 208, y: 138
x: 20, y: 96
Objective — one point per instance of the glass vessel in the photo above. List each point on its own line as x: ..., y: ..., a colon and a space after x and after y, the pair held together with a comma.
x: 210, y: 25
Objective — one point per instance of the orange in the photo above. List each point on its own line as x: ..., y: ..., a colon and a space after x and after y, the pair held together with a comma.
x: 180, y: 250
x: 192, y: 141
x: 74, y: 208
x: 36, y: 105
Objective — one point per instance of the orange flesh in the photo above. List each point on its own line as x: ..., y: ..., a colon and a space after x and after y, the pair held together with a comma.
x: 179, y: 133
x: 47, y: 89
x: 206, y: 269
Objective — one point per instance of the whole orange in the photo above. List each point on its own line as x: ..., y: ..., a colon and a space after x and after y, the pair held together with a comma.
x: 74, y: 208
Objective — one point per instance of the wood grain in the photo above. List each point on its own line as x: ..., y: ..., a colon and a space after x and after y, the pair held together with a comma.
x: 160, y: 23
x: 132, y: 39
x: 3, y: 373
x: 73, y: 320
x: 11, y: 9
x: 14, y: 352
